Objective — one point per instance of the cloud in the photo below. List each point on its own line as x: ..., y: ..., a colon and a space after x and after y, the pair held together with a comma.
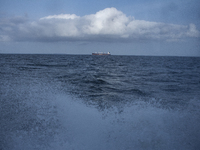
x: 192, y: 31
x: 109, y: 21
x: 61, y: 16
x: 109, y: 24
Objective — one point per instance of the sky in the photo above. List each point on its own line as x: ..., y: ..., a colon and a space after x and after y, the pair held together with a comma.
x: 128, y: 27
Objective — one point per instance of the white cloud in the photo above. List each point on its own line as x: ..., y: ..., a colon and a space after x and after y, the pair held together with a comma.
x: 193, y: 32
x: 61, y: 16
x: 109, y: 23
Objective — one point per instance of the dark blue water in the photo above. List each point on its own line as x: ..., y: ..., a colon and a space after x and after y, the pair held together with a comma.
x: 74, y: 102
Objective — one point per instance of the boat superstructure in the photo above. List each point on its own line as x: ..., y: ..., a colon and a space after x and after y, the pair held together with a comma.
x: 101, y: 53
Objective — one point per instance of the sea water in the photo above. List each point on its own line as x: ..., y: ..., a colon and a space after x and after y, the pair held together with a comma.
x: 83, y: 102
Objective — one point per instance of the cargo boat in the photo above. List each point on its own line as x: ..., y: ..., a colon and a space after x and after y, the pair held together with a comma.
x: 101, y: 53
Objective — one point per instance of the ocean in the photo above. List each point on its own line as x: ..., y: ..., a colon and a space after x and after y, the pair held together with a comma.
x: 85, y: 102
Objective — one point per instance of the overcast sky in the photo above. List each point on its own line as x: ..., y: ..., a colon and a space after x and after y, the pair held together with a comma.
x: 128, y: 27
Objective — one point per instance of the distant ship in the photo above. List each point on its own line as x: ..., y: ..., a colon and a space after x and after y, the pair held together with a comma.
x: 101, y: 53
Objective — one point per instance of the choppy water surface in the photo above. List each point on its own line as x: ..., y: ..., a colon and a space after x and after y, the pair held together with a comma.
x: 72, y: 102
